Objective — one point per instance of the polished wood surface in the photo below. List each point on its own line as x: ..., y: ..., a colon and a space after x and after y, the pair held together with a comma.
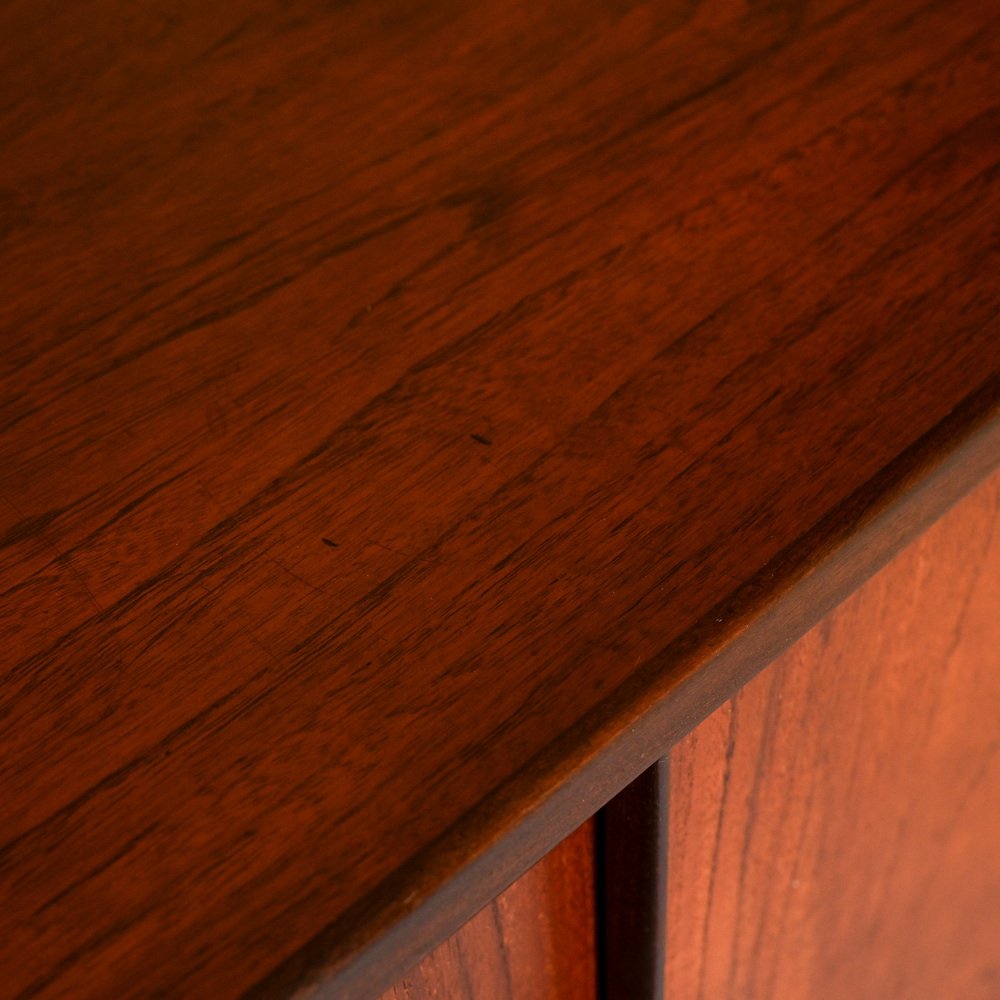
x: 834, y: 828
x: 412, y: 418
x: 536, y: 941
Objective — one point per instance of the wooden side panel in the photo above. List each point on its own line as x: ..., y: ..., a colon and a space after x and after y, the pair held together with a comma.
x: 536, y: 940
x: 835, y: 828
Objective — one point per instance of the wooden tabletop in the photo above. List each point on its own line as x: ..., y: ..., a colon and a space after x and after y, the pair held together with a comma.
x: 414, y: 416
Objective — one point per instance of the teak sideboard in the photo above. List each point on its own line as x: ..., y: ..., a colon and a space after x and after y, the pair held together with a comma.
x: 500, y: 501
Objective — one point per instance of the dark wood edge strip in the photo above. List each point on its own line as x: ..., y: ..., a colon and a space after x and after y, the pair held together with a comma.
x: 631, y: 861
x: 372, y: 945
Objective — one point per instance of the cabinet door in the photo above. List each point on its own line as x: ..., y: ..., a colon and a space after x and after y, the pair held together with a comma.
x: 536, y: 941
x: 834, y: 830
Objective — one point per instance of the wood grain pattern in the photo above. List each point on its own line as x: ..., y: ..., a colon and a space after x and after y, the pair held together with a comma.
x: 834, y: 827
x: 536, y: 940
x: 399, y: 407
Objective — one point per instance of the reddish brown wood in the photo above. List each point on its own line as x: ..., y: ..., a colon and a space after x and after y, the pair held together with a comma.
x: 834, y: 827
x: 607, y: 345
x: 537, y: 939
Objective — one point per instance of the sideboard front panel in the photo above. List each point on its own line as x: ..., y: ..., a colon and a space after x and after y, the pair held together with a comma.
x: 536, y: 941
x: 835, y: 828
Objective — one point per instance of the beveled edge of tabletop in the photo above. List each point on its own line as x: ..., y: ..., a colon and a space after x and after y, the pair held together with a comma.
x: 374, y: 943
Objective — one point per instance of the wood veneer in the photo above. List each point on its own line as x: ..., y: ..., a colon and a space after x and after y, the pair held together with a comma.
x: 537, y: 940
x: 803, y: 862
x: 413, y: 419
x: 834, y: 827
